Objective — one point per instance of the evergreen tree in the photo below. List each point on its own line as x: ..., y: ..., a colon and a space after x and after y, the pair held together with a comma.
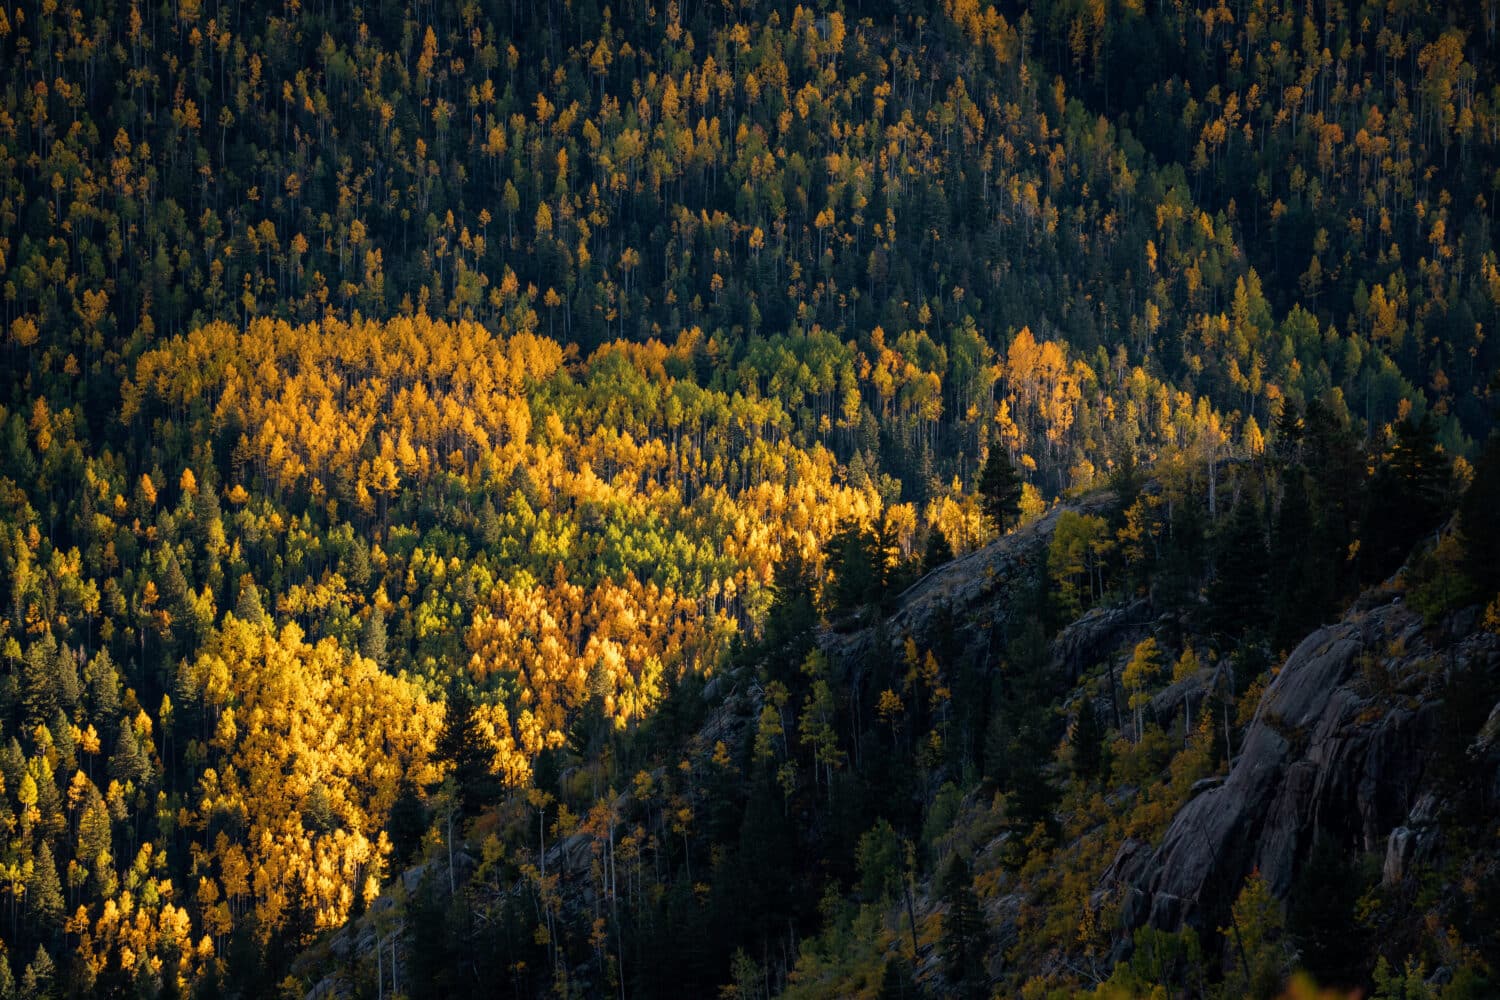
x: 1286, y: 436
x: 1237, y: 597
x: 94, y: 844
x: 462, y: 744
x: 524, y: 484
x: 1407, y: 496
x: 44, y: 898
x: 793, y: 614
x: 372, y: 637
x: 897, y: 981
x: 1000, y: 490
x: 1330, y: 940
x: 407, y: 823
x: 1480, y: 524
x: 39, y: 684
x: 1088, y: 741
x: 129, y: 763
x: 1302, y: 584
x: 852, y: 564
x: 102, y: 681
x: 248, y: 607
x: 939, y: 552
x: 490, y: 529
x: 963, y: 943
x: 354, y: 563
x: 39, y: 981
x: 1331, y: 453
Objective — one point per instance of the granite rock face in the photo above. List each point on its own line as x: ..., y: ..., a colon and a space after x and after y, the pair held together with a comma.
x: 971, y: 594
x: 1341, y: 743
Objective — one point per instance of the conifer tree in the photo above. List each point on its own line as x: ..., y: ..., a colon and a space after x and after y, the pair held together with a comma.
x: 128, y: 763
x: 939, y: 552
x: 407, y: 822
x: 372, y: 637
x: 1237, y: 596
x: 1000, y: 490
x: 897, y: 981
x: 963, y: 941
x: 1479, y: 523
x: 39, y: 684
x: 1407, y: 494
x: 248, y: 607
x: 463, y: 745
x: 39, y: 981
x: 1088, y: 736
x: 44, y: 896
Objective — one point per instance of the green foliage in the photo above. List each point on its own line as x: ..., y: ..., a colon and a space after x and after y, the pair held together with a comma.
x: 938, y: 552
x: 464, y: 748
x: 1173, y: 960
x: 963, y: 942
x: 1322, y: 915
x: 1076, y: 560
x: 1140, y: 673
x: 1437, y: 582
x: 511, y: 345
x: 1087, y: 741
x: 1408, y: 493
x: 1238, y: 595
x: 1000, y: 490
x: 1254, y: 938
x: 373, y: 637
x: 882, y: 864
x: 1406, y: 983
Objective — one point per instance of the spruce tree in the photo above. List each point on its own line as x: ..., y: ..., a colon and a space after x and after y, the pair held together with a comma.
x: 1237, y: 597
x: 248, y: 608
x: 939, y: 551
x: 1480, y: 526
x: 851, y: 561
x: 1088, y: 746
x: 793, y: 614
x: 1407, y: 496
x: 407, y: 823
x: 44, y: 898
x: 39, y: 684
x: 103, y: 684
x: 1000, y: 490
x: 1301, y: 582
x: 462, y: 744
x: 372, y: 637
x: 1330, y: 941
x: 962, y: 944
x: 39, y: 981
x: 128, y: 763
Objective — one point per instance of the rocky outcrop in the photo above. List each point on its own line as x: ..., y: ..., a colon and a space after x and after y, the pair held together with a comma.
x: 1098, y: 635
x: 971, y: 590
x: 1340, y: 743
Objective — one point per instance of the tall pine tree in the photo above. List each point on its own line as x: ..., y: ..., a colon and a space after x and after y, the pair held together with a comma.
x: 1000, y: 490
x: 963, y: 943
x: 1237, y: 596
x: 462, y: 744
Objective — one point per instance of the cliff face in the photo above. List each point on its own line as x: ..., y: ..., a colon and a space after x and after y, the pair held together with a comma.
x: 974, y: 592
x: 1344, y: 742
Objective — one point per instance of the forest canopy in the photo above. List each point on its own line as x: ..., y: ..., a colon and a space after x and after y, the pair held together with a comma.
x: 412, y: 415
